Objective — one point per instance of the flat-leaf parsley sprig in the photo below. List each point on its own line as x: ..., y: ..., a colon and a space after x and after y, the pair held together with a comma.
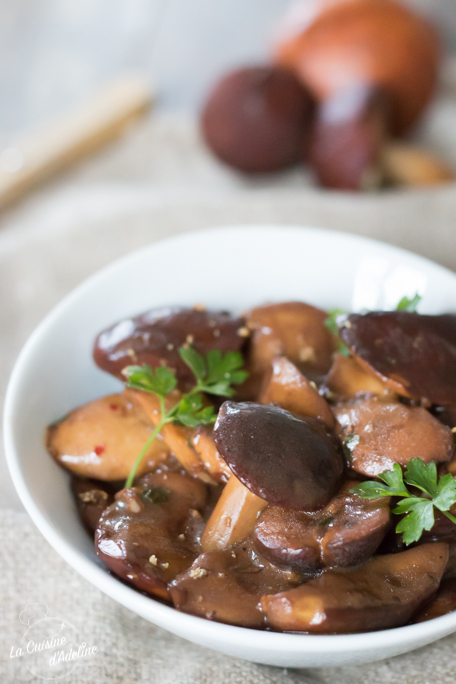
x: 331, y: 324
x: 409, y: 304
x: 418, y: 510
x: 215, y: 374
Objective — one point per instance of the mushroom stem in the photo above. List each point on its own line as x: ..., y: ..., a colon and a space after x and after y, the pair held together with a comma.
x: 204, y: 445
x: 233, y: 518
x: 404, y: 164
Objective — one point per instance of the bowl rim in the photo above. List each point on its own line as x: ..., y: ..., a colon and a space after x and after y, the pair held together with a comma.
x: 146, y: 606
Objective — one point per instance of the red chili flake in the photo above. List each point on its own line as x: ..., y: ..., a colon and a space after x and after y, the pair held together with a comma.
x: 113, y: 407
x: 99, y: 449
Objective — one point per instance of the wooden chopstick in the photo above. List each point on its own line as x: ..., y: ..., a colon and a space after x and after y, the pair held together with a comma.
x: 27, y: 162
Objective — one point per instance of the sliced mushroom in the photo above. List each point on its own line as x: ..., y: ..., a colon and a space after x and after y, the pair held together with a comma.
x: 291, y: 462
x: 203, y: 442
x: 292, y: 329
x: 103, y: 438
x: 450, y: 570
x: 446, y: 414
x: 443, y: 529
x: 414, y: 354
x: 383, y: 593
x: 378, y: 433
x: 141, y: 536
x: 226, y: 586
x: 156, y: 336
x: 91, y: 498
x: 347, y: 379
x: 393, y: 542
x: 288, y: 388
x: 346, y: 532
x: 233, y: 517
x: 443, y: 603
x: 289, y: 538
x: 238, y: 508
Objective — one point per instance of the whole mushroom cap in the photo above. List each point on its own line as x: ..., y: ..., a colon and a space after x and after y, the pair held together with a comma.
x: 287, y: 461
x: 378, y: 42
x: 257, y: 118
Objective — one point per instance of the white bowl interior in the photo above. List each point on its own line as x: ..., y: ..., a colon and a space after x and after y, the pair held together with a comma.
x: 233, y: 268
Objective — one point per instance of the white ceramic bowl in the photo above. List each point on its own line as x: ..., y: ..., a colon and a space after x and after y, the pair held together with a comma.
x: 233, y: 267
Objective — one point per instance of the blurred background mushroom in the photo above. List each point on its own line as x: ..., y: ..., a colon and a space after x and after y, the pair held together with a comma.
x: 274, y: 89
x: 370, y: 66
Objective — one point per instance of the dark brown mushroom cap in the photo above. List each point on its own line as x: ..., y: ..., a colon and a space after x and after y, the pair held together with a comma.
x: 290, y: 462
x: 416, y: 354
x: 257, y: 119
x: 139, y: 536
x: 345, y: 532
x: 156, y: 336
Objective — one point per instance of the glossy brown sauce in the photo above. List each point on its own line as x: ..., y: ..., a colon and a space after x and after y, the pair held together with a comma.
x: 253, y: 522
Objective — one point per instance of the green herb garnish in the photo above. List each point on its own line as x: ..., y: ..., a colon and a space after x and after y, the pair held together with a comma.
x: 419, y: 510
x: 214, y: 375
x: 407, y: 304
x: 331, y: 324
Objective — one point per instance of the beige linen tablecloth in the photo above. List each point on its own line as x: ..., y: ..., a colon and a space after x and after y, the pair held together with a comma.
x: 132, y: 651
x: 156, y: 183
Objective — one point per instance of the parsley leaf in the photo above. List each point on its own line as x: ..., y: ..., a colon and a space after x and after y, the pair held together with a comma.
x: 395, y: 481
x: 194, y: 361
x: 418, y: 511
x: 446, y: 493
x: 191, y: 412
x: 371, y: 490
x: 393, y: 485
x: 331, y: 320
x: 420, y: 517
x: 423, y: 476
x: 331, y: 324
x: 407, y: 304
x: 214, y: 375
x: 160, y: 381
